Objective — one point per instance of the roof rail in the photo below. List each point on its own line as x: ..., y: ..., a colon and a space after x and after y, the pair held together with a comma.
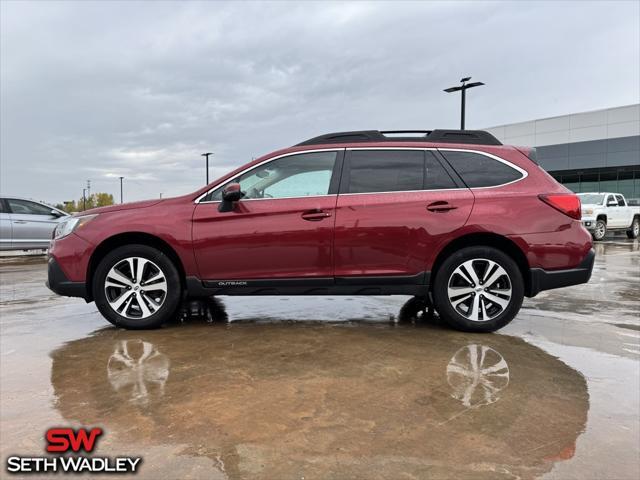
x: 474, y: 137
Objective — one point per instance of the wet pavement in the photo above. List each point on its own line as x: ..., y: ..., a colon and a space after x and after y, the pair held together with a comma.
x: 334, y: 387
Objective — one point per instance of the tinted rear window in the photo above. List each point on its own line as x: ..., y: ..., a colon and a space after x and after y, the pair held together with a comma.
x: 479, y: 170
x: 436, y: 177
x: 385, y: 171
x: 395, y: 171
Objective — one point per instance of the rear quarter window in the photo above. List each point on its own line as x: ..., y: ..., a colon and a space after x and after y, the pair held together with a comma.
x: 477, y: 170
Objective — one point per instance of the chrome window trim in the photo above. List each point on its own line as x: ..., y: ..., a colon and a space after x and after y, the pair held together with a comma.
x: 405, y: 191
x: 279, y: 198
x: 197, y: 200
x: 520, y: 170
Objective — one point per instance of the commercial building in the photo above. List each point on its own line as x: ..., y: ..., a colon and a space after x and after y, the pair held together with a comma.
x: 588, y: 152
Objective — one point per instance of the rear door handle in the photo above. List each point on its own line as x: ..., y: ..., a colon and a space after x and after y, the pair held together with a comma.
x: 440, y: 206
x: 315, y: 215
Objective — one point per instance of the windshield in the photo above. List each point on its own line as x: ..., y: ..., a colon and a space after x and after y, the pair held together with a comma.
x: 591, y: 198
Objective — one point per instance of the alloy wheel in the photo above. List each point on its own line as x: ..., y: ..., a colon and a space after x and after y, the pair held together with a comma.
x: 135, y: 288
x: 479, y: 289
x: 601, y: 229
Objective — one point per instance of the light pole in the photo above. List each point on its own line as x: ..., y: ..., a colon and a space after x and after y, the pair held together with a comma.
x: 463, y: 88
x: 206, y: 155
x: 121, y: 178
x: 84, y: 199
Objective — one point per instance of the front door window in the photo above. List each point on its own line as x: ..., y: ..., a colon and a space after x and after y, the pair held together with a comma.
x: 293, y: 176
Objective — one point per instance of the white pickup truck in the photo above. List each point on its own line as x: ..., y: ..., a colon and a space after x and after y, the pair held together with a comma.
x: 609, y: 211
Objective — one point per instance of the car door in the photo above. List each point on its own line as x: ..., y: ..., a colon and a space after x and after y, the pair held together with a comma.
x: 5, y: 226
x: 281, y: 229
x: 613, y: 212
x: 624, y: 214
x: 395, y: 207
x: 32, y: 223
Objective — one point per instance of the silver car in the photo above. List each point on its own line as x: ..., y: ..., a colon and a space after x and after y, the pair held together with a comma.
x: 27, y: 225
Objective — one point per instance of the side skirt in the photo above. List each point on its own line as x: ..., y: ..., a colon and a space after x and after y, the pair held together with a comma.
x: 381, y: 285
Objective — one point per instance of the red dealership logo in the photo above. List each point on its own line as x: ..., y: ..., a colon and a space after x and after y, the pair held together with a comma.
x: 61, y: 440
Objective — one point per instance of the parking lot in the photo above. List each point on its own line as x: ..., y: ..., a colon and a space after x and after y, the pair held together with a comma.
x: 335, y: 387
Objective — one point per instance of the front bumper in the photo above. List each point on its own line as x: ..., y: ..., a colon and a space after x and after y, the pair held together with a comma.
x: 541, y: 279
x: 589, y: 223
x: 58, y: 282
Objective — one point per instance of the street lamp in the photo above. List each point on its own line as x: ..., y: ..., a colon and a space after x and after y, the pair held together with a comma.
x: 121, y: 178
x: 463, y: 88
x: 206, y: 155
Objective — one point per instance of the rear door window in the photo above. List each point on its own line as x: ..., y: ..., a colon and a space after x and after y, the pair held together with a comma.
x: 371, y: 171
x: 620, y: 200
x: 477, y: 170
x: 435, y: 176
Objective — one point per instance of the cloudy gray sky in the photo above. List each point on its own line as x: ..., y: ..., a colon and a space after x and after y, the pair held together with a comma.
x: 95, y: 90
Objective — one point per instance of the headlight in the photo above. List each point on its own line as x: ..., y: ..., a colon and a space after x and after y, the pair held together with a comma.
x: 71, y: 224
x: 587, y: 211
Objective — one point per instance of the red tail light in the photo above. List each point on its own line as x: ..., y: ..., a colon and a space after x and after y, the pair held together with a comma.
x: 567, y: 203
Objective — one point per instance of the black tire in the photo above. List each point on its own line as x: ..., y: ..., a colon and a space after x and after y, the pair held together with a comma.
x: 600, y: 230
x: 503, y: 315
x: 634, y: 231
x: 171, y: 299
x: 417, y: 310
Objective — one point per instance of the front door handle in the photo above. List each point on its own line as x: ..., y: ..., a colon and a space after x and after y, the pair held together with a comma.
x: 315, y: 215
x: 20, y: 221
x: 440, y: 206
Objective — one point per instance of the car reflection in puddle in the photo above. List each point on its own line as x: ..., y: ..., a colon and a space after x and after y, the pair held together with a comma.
x: 374, y: 400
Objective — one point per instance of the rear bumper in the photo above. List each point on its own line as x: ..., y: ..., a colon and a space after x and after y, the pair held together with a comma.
x: 58, y: 282
x: 541, y: 279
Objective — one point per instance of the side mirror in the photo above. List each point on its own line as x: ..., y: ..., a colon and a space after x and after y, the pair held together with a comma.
x: 612, y: 203
x: 56, y: 213
x: 230, y: 194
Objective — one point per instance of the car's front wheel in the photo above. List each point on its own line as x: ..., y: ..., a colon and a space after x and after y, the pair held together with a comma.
x: 600, y: 230
x: 137, y: 287
x: 478, y: 289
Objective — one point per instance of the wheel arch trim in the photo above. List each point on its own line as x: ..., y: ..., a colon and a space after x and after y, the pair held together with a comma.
x: 484, y: 239
x: 130, y: 238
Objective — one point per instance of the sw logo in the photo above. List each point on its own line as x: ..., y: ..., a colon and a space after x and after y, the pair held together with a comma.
x: 65, y: 440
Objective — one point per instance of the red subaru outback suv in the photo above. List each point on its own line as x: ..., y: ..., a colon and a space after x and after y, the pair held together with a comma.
x: 453, y: 217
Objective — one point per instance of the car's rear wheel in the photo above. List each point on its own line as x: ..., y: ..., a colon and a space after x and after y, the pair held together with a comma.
x: 600, y: 230
x: 137, y: 287
x: 478, y: 289
x: 634, y: 231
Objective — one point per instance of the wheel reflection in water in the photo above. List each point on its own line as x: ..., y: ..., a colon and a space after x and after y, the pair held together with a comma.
x: 139, y: 369
x: 477, y: 374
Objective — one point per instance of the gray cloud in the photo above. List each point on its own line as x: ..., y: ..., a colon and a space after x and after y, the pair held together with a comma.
x: 102, y: 89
